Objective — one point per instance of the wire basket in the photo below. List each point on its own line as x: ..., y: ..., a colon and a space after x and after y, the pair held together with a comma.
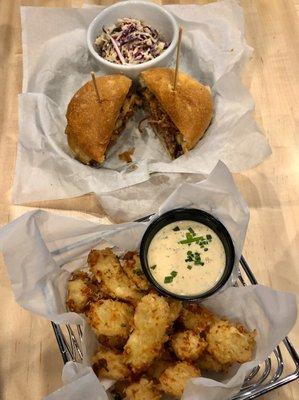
x: 268, y: 376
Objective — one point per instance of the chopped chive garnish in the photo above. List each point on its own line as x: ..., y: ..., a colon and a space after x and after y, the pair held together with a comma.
x: 153, y: 267
x: 191, y: 238
x: 193, y: 257
x: 186, y: 241
x: 209, y: 237
x: 191, y: 231
x: 168, y: 279
x: 206, y: 249
x: 189, y: 266
x: 176, y: 229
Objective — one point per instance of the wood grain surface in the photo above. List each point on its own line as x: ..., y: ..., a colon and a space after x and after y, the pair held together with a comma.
x: 30, y: 364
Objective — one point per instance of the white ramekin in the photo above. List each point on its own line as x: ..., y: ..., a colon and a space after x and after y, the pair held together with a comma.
x: 154, y: 15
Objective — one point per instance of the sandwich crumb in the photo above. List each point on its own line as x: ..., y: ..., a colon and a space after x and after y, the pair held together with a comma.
x: 127, y: 155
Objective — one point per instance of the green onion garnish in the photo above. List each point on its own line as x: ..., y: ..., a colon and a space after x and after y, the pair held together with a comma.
x: 190, y: 238
x: 193, y: 257
x: 168, y: 279
x: 191, y: 231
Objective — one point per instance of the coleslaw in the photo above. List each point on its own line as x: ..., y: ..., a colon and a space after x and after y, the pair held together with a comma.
x: 130, y: 41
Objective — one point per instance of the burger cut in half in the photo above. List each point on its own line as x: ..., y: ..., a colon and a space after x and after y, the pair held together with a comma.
x: 181, y: 117
x: 93, y: 124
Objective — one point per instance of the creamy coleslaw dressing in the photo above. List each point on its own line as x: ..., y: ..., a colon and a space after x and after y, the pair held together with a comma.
x: 186, y: 268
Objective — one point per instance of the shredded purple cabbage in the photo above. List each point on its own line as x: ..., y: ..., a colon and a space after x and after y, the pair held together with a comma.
x: 129, y: 41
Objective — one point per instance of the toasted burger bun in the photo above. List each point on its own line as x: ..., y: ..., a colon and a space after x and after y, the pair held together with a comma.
x: 90, y: 123
x: 190, y: 107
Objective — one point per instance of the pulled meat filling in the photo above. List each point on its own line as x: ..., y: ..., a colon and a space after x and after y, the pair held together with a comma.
x: 132, y: 100
x: 126, y: 112
x: 163, y: 126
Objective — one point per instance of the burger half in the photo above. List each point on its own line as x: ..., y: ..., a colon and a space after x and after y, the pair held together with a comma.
x: 93, y: 125
x: 181, y: 117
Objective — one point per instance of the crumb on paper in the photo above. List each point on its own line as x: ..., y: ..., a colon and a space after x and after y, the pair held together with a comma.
x: 132, y: 167
x: 127, y: 155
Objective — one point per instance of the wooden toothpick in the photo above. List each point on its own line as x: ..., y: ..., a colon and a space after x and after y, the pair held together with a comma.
x: 177, y: 58
x: 95, y: 85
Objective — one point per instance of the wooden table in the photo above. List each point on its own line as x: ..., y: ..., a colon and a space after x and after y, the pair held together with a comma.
x: 30, y: 364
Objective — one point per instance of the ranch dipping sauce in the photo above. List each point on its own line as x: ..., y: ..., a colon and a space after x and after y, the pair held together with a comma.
x: 186, y: 258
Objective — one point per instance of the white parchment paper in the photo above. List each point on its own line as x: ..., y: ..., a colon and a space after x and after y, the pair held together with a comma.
x: 41, y: 249
x: 57, y: 63
x: 80, y: 383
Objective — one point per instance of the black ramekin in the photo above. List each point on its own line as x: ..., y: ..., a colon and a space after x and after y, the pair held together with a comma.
x: 190, y: 214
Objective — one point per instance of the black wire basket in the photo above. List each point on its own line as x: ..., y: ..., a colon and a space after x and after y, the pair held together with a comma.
x: 280, y: 368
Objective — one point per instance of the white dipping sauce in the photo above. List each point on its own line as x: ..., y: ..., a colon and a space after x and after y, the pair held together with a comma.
x: 189, y: 268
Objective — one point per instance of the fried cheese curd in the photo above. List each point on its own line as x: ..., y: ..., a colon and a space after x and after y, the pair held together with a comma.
x: 163, y: 361
x: 230, y: 343
x: 151, y: 321
x: 80, y: 291
x: 187, y: 345
x: 175, y: 308
x: 132, y: 268
x: 150, y: 344
x: 106, y: 267
x: 109, y: 363
x: 196, y: 318
x: 207, y: 362
x: 111, y: 320
x: 117, y: 391
x: 142, y: 390
x: 174, y: 379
